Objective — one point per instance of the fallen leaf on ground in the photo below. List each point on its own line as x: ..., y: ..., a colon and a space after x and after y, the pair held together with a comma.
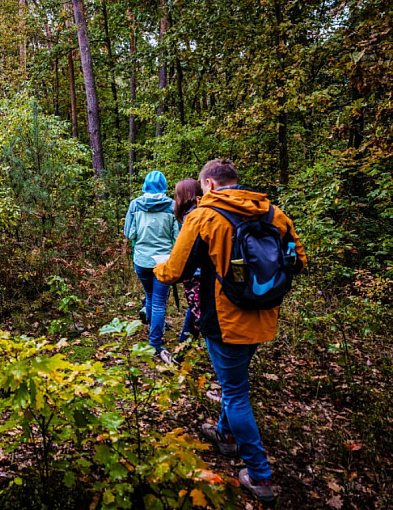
x: 333, y: 485
x: 335, y: 502
x: 353, y: 446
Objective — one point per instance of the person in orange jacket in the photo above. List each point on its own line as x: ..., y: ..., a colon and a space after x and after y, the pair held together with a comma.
x: 232, y: 334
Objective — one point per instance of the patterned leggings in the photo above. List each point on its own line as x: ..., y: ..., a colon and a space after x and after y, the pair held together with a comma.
x: 192, y: 293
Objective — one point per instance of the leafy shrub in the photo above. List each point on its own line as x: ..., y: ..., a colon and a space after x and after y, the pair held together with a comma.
x: 47, y: 170
x: 96, y: 416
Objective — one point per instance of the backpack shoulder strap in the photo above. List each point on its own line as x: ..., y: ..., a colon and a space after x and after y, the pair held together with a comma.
x: 235, y: 218
x: 269, y: 215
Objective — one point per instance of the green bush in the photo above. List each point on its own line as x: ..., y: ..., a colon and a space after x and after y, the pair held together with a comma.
x: 95, y: 415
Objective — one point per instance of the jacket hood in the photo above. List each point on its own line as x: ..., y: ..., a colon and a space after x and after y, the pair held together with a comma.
x: 155, y: 182
x: 239, y: 201
x: 158, y: 202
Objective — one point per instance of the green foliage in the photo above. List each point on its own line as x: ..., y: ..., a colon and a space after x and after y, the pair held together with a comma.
x: 318, y: 73
x: 47, y: 171
x: 99, y: 413
x: 124, y: 327
x: 338, y: 229
x: 9, y: 210
x: 318, y: 203
x: 45, y: 394
x: 67, y: 303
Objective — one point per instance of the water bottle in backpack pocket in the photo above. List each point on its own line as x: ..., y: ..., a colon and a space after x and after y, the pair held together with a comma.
x: 238, y: 269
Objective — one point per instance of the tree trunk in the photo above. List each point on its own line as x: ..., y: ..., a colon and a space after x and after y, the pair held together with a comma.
x: 111, y: 62
x: 73, y: 104
x: 283, y: 146
x: 93, y: 117
x: 56, y: 107
x: 22, y: 44
x: 132, y: 119
x: 164, y: 22
x: 282, y: 116
x: 71, y: 77
x: 55, y: 68
x: 180, y: 99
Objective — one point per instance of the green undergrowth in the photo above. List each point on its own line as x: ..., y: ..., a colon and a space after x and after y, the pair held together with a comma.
x: 124, y: 431
x: 91, y: 425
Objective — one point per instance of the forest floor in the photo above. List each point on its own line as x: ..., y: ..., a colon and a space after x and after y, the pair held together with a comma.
x: 324, y: 414
x: 327, y: 431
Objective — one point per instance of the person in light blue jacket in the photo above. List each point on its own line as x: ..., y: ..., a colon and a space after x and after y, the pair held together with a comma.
x: 152, y: 228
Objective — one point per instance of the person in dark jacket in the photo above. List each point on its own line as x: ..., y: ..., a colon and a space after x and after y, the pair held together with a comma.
x: 232, y: 334
x: 152, y: 227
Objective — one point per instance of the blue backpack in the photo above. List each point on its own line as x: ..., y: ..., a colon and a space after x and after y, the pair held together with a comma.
x: 262, y: 264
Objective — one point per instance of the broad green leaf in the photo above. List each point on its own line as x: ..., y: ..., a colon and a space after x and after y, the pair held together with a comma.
x: 108, y: 497
x: 111, y: 420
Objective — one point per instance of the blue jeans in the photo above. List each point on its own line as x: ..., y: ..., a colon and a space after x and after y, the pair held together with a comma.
x: 231, y: 362
x: 156, y: 298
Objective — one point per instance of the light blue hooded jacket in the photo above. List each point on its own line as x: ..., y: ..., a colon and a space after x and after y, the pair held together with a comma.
x: 150, y: 223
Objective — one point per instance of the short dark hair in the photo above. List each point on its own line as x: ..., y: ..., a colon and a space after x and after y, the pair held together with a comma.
x: 223, y: 171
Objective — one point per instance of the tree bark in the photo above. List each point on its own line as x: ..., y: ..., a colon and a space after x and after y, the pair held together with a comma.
x: 132, y: 119
x: 22, y: 44
x: 283, y: 146
x: 162, y: 76
x: 180, y: 98
x: 93, y: 117
x: 73, y: 103
x: 111, y: 62
x: 71, y: 77
x: 282, y: 116
x: 55, y: 68
x: 56, y: 106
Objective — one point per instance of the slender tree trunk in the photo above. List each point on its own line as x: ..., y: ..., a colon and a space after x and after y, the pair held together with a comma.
x: 282, y: 117
x: 73, y: 103
x: 55, y: 68
x: 164, y: 22
x: 56, y: 107
x: 111, y: 62
x: 283, y: 144
x: 93, y: 117
x: 180, y: 98
x: 71, y: 77
x: 132, y: 119
x: 22, y: 44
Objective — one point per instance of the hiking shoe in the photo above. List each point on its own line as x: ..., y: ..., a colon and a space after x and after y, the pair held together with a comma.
x: 225, y: 444
x: 167, y: 357
x: 261, y: 490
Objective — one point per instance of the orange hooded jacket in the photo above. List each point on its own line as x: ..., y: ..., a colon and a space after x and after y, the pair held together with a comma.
x: 205, y: 241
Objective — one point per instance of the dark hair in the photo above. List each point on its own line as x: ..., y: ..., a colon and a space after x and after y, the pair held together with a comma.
x: 223, y: 171
x: 186, y: 193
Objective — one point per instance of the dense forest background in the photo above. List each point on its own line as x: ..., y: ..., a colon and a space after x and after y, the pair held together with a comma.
x: 94, y: 94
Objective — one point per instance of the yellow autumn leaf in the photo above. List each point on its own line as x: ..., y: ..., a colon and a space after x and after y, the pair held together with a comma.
x: 198, y: 498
